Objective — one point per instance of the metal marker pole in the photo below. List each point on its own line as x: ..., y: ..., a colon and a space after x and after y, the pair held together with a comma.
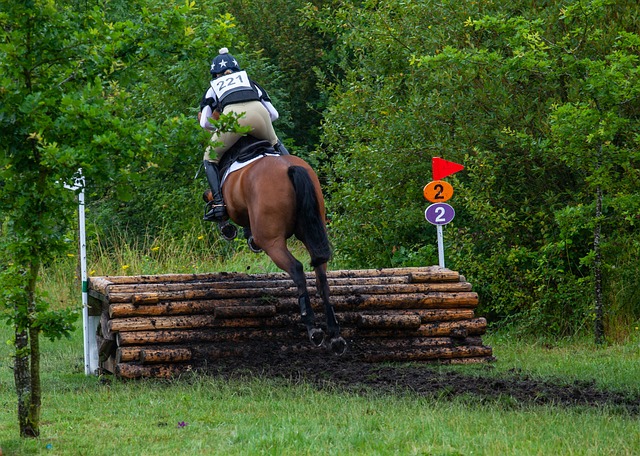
x: 440, y: 246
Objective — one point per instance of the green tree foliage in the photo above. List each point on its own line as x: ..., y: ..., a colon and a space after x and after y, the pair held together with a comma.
x: 275, y: 28
x: 165, y: 85
x: 99, y: 87
x: 538, y: 101
x: 162, y: 67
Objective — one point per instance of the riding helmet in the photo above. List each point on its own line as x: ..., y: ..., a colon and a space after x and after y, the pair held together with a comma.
x: 223, y: 62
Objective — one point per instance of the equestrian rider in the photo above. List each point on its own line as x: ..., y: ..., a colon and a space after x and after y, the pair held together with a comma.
x: 232, y: 91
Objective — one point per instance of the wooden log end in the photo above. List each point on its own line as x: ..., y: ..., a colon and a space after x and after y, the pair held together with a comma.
x: 100, y: 285
x: 108, y: 365
x: 106, y: 348
x: 127, y: 354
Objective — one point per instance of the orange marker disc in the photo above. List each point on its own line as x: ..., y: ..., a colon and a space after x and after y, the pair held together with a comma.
x: 438, y: 191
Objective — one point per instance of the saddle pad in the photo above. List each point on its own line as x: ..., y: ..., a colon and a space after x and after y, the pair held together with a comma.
x: 236, y: 165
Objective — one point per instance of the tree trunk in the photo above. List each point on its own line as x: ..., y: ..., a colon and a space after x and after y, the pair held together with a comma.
x: 597, y: 271
x: 22, y: 377
x: 27, y: 364
x: 36, y: 390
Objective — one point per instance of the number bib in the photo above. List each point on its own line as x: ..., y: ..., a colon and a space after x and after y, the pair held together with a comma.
x: 224, y: 85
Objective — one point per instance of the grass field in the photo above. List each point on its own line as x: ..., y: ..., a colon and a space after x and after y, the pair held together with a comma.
x: 208, y: 415
x: 202, y: 415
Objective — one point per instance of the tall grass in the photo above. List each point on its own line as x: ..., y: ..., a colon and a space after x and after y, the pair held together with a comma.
x: 198, y: 250
x: 116, y: 253
x: 622, y: 293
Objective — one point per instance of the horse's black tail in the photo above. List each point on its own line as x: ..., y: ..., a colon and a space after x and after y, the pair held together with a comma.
x: 309, y: 220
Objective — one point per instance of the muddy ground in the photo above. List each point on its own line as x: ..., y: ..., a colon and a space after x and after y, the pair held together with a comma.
x: 480, y: 384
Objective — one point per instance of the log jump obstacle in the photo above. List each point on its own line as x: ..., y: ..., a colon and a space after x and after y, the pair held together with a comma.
x: 161, y: 325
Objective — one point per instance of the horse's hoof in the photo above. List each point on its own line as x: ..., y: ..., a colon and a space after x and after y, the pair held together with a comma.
x: 253, y: 246
x: 338, y: 346
x: 228, y: 231
x: 316, y: 336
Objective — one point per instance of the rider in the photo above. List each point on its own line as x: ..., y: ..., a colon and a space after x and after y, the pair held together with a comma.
x: 232, y: 91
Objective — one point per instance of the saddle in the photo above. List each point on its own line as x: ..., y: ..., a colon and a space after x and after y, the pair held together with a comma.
x: 245, y: 149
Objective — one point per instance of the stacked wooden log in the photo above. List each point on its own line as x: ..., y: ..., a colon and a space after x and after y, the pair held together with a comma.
x: 156, y: 326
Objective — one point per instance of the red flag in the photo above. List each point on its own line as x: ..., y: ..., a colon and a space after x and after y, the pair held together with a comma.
x: 443, y: 168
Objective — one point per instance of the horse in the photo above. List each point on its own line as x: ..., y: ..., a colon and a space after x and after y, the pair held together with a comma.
x: 274, y: 198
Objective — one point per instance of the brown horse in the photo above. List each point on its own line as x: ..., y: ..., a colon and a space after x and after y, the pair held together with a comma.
x: 277, y: 197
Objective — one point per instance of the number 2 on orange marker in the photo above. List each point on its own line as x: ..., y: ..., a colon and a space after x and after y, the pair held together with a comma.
x: 438, y: 191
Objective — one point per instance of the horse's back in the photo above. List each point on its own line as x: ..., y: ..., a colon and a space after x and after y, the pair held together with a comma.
x: 282, y: 163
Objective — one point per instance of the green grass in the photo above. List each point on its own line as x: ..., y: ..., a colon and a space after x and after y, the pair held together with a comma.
x: 81, y: 415
x: 612, y: 366
x: 86, y: 416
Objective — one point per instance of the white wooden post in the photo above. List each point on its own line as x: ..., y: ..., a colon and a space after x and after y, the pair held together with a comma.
x: 89, y: 323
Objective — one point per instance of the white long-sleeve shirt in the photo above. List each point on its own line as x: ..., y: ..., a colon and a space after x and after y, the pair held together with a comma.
x: 210, y: 102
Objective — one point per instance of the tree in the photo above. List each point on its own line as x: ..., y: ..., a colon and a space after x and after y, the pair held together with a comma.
x: 166, y: 83
x: 523, y: 93
x: 76, y: 82
x: 595, y: 129
x: 586, y: 77
x: 295, y: 51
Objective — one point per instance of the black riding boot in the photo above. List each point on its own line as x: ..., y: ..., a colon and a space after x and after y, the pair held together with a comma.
x: 217, y: 211
x: 279, y: 147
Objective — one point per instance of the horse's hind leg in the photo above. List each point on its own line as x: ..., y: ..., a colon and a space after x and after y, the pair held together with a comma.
x: 287, y: 262
x: 336, y: 343
x: 316, y: 336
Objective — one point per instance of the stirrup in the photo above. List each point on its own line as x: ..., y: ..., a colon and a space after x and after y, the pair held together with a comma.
x: 228, y: 230
x: 252, y: 245
x: 209, y: 212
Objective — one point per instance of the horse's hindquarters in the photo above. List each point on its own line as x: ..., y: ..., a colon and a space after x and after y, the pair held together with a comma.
x: 278, y: 197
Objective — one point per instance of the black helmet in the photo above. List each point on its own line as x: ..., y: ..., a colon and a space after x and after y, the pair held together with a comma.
x: 223, y: 62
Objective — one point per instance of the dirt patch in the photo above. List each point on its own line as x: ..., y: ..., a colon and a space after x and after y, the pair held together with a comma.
x: 347, y: 373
